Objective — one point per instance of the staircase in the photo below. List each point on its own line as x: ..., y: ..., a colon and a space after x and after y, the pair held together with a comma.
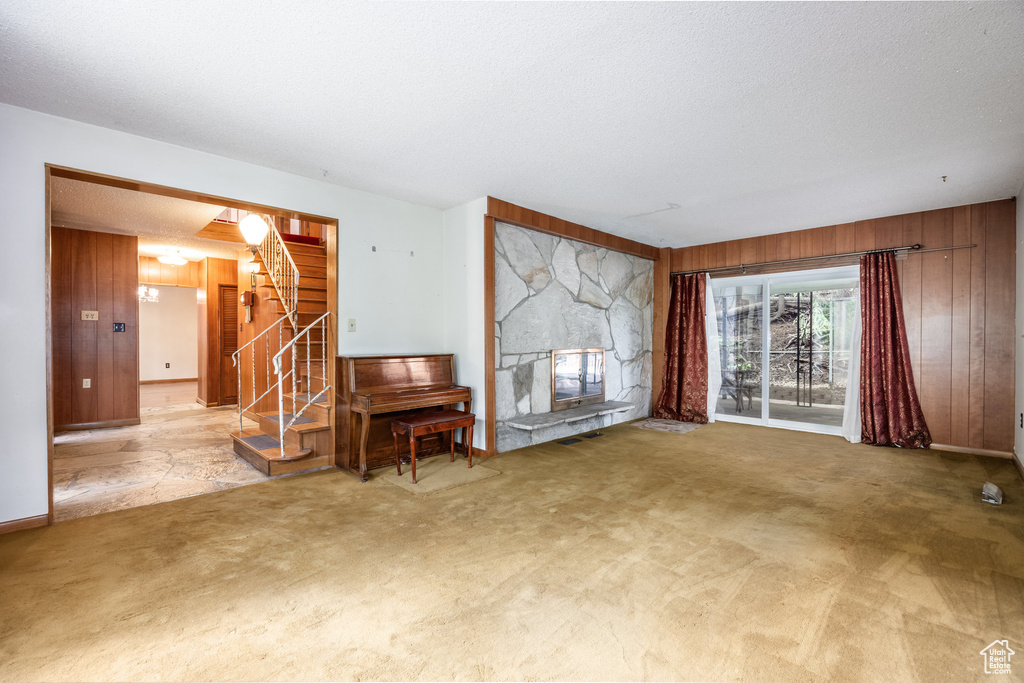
x: 289, y: 394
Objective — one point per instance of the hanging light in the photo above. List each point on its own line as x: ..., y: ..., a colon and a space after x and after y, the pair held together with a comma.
x: 253, y: 266
x: 254, y: 228
x: 149, y: 294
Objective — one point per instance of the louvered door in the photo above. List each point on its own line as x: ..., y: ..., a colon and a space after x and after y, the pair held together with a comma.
x: 228, y: 344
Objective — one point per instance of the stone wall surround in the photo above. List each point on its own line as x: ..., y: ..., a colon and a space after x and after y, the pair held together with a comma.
x: 554, y: 293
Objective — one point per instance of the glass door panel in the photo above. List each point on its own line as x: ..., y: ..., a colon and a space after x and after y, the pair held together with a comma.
x: 810, y: 333
x: 592, y: 374
x: 568, y: 377
x: 739, y: 309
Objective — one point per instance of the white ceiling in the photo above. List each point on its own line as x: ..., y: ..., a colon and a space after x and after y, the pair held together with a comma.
x: 671, y: 123
x: 163, y: 224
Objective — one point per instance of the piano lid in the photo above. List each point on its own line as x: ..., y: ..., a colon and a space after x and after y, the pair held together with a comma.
x: 372, y: 374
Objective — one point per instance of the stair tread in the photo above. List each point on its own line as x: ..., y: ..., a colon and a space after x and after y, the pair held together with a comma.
x: 298, y: 427
x: 271, y: 447
x: 323, y: 400
x: 302, y: 246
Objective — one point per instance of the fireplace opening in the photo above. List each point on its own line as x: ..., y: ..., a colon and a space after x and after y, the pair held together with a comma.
x: 577, y: 378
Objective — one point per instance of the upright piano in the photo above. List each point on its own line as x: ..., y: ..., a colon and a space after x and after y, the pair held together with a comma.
x: 372, y: 390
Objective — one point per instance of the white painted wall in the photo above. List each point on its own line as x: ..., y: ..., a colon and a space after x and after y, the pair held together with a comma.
x: 1018, y: 438
x: 397, y: 300
x: 464, y: 302
x: 169, y: 333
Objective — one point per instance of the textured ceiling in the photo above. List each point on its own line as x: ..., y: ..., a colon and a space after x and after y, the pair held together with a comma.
x: 670, y: 123
x: 163, y: 224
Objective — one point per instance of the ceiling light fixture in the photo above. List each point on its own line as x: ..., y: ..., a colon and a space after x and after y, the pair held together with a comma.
x: 174, y: 259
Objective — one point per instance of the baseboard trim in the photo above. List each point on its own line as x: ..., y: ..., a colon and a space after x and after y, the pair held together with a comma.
x: 972, y: 451
x: 1020, y: 466
x: 97, y: 425
x: 211, y: 404
x: 484, y: 452
x: 168, y: 381
x: 24, y: 523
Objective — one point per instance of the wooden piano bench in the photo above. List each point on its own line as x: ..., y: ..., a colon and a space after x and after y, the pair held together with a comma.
x: 431, y: 423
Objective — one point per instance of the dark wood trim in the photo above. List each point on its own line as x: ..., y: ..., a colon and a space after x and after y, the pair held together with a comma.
x: 25, y: 523
x: 330, y: 239
x: 972, y: 451
x: 98, y: 425
x: 49, y: 354
x: 490, y: 422
x: 662, y: 292
x: 205, y: 404
x: 176, y: 193
x: 484, y: 453
x: 168, y: 381
x: 512, y: 214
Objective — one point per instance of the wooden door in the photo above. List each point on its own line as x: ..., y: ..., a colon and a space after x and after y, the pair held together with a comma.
x: 228, y: 335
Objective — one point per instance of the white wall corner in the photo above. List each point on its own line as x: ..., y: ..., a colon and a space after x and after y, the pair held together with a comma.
x: 463, y: 296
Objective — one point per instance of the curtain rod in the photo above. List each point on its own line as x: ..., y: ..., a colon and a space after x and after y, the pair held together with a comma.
x: 916, y: 248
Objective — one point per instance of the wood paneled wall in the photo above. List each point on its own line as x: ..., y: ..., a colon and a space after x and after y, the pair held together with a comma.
x: 959, y: 306
x: 94, y: 271
x: 152, y: 272
x: 213, y: 272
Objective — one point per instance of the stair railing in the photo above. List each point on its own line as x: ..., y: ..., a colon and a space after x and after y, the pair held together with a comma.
x: 236, y: 357
x: 320, y: 324
x: 284, y: 274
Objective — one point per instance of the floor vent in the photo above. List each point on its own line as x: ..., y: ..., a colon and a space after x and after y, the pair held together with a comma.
x: 569, y: 442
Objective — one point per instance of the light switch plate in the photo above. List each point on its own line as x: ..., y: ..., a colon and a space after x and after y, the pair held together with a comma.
x: 351, y: 324
x: 90, y: 315
x: 87, y: 384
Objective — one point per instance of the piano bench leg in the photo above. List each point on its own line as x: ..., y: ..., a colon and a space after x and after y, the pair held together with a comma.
x: 412, y: 454
x: 398, y: 458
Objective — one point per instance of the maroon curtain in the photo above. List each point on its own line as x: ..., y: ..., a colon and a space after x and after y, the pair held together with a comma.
x: 684, y: 389
x: 890, y: 412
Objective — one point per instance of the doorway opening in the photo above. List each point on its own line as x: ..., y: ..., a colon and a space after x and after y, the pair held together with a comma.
x: 785, y: 342
x: 142, y: 386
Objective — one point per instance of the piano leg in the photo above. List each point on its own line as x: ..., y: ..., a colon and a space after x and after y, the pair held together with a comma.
x: 398, y: 457
x: 364, y: 433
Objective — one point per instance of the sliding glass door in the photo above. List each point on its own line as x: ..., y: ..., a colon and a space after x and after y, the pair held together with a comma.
x: 785, y: 342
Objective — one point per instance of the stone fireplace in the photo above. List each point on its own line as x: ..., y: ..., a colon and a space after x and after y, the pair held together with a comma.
x: 556, y: 293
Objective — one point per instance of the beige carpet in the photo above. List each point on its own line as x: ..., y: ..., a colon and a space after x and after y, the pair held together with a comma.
x: 437, y: 474
x: 729, y: 553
